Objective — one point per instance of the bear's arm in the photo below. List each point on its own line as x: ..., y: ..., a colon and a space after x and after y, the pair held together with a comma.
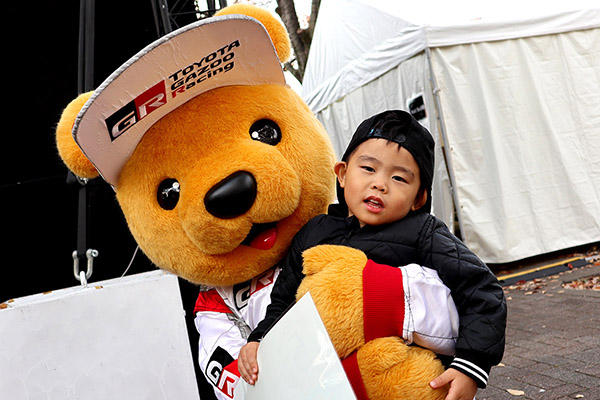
x: 411, y: 302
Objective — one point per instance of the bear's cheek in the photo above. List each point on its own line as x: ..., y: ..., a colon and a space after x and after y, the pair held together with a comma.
x: 158, y: 232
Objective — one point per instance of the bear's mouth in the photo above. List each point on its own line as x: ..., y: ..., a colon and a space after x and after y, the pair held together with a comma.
x: 261, y: 236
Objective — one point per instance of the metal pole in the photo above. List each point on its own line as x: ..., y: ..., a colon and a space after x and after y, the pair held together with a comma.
x: 438, y: 108
x: 164, y: 14
x: 155, y: 13
x: 162, y: 19
x: 85, y: 83
x: 86, y: 45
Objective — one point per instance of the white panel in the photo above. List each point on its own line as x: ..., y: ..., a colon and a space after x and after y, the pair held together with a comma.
x: 523, y: 124
x: 297, y: 361
x: 118, y: 339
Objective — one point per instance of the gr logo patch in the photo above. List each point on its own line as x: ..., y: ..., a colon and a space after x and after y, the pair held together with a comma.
x: 218, y: 360
x: 131, y: 113
x: 229, y: 379
x: 243, y: 291
x: 241, y: 294
x: 222, y: 371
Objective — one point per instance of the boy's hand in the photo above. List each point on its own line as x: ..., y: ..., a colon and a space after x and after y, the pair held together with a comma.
x: 461, y: 386
x: 247, y: 365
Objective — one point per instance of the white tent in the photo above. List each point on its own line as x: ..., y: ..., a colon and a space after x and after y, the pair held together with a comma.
x: 511, y: 92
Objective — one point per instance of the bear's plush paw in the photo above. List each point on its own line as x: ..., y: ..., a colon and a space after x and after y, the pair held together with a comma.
x: 392, y: 370
x: 334, y: 280
x: 382, y: 354
x: 341, y: 258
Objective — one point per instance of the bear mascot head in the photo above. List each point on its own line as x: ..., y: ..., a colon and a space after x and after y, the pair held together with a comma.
x: 215, y: 162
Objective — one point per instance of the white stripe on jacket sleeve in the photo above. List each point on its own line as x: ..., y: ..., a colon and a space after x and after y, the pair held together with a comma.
x: 471, y: 369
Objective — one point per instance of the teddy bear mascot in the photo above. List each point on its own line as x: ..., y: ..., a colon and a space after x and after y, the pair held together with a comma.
x: 216, y: 165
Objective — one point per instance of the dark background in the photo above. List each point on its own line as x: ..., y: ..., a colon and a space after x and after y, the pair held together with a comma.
x: 40, y: 209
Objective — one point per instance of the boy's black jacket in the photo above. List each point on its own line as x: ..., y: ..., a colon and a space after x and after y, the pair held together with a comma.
x: 418, y: 238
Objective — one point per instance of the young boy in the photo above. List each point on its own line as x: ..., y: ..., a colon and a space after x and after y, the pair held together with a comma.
x: 384, y: 194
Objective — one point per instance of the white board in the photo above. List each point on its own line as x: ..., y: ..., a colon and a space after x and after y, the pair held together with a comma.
x: 117, y: 339
x: 297, y: 361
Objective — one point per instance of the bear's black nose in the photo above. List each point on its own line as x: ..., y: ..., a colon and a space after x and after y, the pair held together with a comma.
x: 231, y: 197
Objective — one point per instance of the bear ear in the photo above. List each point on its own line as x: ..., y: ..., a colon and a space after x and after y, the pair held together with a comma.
x: 68, y: 150
x: 277, y: 31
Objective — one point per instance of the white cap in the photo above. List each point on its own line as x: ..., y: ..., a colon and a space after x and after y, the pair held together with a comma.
x: 211, y: 53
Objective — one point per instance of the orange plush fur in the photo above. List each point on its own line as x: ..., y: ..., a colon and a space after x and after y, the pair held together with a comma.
x: 68, y: 150
x: 279, y: 36
x: 207, y: 139
x: 389, y: 368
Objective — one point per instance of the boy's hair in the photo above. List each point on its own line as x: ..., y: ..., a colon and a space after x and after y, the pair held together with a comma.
x: 402, y: 128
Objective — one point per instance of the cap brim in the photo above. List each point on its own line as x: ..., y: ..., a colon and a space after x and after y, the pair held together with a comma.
x: 216, y: 52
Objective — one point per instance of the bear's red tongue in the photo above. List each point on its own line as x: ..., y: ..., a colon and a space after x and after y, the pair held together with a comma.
x: 265, y: 240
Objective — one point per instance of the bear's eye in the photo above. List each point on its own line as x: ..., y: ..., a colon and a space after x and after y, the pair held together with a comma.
x: 266, y: 131
x: 167, y: 194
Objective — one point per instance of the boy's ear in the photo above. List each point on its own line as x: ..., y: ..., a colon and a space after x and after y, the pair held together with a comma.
x: 68, y: 150
x: 340, y: 172
x: 420, y: 200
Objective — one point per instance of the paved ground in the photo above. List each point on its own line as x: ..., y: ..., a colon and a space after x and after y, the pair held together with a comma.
x: 553, y: 341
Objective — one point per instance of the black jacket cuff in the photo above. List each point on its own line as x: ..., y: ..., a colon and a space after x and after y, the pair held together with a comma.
x: 255, y: 337
x: 480, y: 374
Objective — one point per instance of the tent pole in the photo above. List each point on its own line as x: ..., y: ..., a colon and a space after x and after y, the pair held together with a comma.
x: 447, y: 157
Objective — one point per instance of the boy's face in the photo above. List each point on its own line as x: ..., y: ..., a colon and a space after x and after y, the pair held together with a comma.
x: 381, y: 182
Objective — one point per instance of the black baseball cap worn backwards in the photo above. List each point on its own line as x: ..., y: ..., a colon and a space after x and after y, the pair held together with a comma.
x: 402, y: 128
